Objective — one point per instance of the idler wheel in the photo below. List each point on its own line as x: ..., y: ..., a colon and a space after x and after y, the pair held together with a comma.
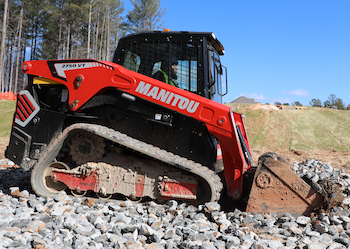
x: 42, y: 182
x: 78, y: 193
x: 103, y: 196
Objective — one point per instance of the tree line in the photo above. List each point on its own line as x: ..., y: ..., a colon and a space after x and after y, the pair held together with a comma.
x: 331, y: 102
x: 66, y: 29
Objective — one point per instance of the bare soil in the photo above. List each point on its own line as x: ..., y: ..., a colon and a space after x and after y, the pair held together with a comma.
x: 338, y: 159
x: 3, y: 144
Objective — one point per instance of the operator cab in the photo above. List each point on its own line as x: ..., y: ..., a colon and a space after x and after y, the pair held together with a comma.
x: 199, y: 69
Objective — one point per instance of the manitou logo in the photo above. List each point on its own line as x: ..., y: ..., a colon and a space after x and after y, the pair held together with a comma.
x: 167, y: 97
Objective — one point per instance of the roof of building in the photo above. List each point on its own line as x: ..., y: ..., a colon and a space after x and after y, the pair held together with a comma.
x: 243, y: 100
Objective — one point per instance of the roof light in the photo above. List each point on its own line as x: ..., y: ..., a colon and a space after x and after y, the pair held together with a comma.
x: 26, y: 66
x: 166, y: 30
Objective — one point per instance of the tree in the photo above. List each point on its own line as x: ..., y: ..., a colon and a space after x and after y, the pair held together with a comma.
x: 146, y: 15
x: 339, y: 104
x: 55, y: 29
x: 18, y: 47
x: 285, y: 103
x: 326, y: 103
x: 277, y: 103
x: 297, y: 103
x: 82, y: 29
x: 332, y: 99
x: 3, y: 43
x: 89, y: 29
x: 316, y: 103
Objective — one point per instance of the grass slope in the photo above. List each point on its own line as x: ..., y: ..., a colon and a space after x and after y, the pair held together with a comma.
x: 310, y: 129
x: 7, y: 108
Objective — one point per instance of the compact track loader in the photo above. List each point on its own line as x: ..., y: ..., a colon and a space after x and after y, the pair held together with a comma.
x: 117, y: 129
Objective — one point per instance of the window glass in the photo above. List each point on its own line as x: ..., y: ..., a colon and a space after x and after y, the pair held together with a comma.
x: 157, y: 59
x: 187, y: 75
x: 156, y: 67
x: 132, y: 61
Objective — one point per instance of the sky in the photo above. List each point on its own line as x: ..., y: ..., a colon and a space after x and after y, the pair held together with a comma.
x: 275, y: 50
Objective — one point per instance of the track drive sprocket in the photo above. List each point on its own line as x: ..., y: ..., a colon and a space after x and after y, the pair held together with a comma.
x: 86, y: 147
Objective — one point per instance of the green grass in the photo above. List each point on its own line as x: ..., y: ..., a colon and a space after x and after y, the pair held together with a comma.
x: 7, y: 108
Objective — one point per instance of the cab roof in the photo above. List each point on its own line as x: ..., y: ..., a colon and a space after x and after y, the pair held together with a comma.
x: 208, y: 35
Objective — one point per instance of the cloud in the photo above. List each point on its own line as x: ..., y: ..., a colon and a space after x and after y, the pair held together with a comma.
x: 283, y: 92
x: 300, y: 93
x: 256, y: 96
x: 282, y: 100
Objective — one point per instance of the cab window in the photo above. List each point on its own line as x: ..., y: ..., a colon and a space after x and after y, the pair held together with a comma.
x: 146, y: 57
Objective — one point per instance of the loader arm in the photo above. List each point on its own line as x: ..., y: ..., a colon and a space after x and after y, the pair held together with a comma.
x: 87, y: 78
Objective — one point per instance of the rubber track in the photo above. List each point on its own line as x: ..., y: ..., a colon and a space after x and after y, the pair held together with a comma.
x: 151, y: 151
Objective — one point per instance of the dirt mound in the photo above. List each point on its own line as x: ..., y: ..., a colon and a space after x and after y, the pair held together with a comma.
x: 338, y: 159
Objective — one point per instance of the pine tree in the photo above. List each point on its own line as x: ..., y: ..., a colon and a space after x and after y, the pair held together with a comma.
x: 53, y: 29
x: 3, y: 43
x: 146, y: 15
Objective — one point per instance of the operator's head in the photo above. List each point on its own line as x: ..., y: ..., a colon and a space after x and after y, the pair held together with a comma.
x: 170, y: 67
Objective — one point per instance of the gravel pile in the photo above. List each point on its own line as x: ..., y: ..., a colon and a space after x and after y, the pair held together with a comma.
x: 5, y: 163
x: 29, y: 221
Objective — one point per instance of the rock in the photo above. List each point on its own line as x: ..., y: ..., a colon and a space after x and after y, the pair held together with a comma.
x: 14, y: 191
x: 343, y: 241
x: 5, y: 242
x: 126, y: 203
x: 312, y: 233
x: 212, y: 206
x: 61, y: 197
x: 289, y: 225
x: 316, y: 245
x: 172, y: 205
x: 345, y: 218
x: 333, y: 230
x: 35, y: 226
x: 295, y: 230
x: 23, y: 194
x: 208, y: 245
x: 69, y: 223
x: 303, y: 220
x: 146, y: 230
x: 336, y: 220
x: 335, y: 245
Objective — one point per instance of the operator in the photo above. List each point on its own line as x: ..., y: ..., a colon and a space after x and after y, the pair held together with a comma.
x: 167, y: 72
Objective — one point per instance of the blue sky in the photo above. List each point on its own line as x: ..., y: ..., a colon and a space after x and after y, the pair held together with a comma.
x: 275, y: 50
